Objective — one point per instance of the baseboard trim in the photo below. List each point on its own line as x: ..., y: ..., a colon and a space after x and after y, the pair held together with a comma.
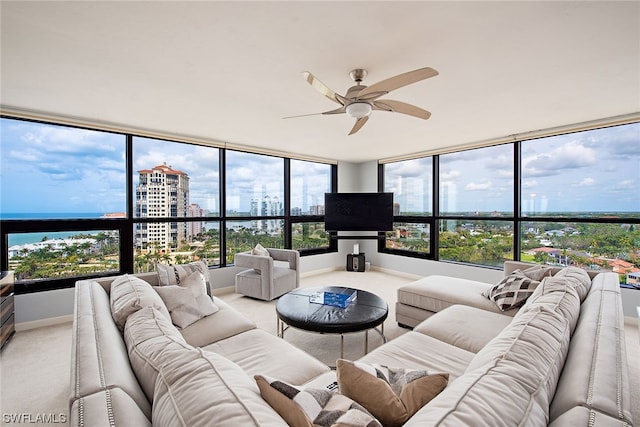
x: 225, y: 290
x: 397, y: 273
x: 33, y: 324
x: 320, y: 271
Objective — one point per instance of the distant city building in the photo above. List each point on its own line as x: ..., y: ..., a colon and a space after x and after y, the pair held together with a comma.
x: 197, y: 227
x: 316, y: 210
x: 268, y: 206
x: 161, y: 192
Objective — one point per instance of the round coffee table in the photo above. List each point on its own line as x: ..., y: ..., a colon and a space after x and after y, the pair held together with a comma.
x: 296, y: 309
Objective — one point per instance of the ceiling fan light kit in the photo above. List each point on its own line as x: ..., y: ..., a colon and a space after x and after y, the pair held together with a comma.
x: 361, y: 100
x: 358, y: 110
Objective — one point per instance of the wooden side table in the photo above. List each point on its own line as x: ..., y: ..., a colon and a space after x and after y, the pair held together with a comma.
x: 6, y: 312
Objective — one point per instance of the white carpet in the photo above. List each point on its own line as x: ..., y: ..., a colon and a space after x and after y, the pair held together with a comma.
x: 327, y: 347
x: 34, y: 366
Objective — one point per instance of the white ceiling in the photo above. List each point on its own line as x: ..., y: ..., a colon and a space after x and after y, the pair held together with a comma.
x: 230, y: 71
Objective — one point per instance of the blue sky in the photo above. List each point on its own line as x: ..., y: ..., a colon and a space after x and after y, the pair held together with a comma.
x: 58, y: 169
x: 596, y: 170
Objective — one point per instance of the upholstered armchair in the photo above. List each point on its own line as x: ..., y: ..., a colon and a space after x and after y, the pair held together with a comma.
x: 270, y: 276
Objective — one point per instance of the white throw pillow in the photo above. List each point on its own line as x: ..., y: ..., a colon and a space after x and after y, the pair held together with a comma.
x: 175, y: 274
x: 188, y: 302
x: 129, y: 294
x: 260, y: 250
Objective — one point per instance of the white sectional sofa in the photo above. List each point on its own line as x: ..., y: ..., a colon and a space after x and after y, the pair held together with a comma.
x: 560, y: 360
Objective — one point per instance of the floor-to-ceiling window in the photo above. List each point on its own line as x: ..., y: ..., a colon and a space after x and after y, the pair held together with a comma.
x: 475, y: 196
x: 309, y: 181
x: 176, y: 205
x: 570, y: 199
x: 411, y: 183
x: 80, y: 203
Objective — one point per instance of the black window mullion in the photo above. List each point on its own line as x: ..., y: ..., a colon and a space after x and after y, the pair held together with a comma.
x: 126, y: 230
x: 435, y: 215
x: 517, y: 198
x: 288, y: 240
x: 222, y: 177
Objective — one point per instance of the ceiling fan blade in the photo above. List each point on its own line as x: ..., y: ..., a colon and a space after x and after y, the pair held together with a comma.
x: 359, y: 123
x: 321, y: 87
x: 401, y: 107
x: 336, y: 111
x: 399, y: 81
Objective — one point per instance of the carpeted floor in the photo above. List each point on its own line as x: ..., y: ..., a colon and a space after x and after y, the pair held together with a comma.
x: 34, y: 366
x: 327, y: 347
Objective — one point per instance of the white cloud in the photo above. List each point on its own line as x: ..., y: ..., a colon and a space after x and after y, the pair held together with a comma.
x: 452, y: 175
x: 572, y: 155
x: 586, y: 182
x: 627, y: 184
x: 478, y: 186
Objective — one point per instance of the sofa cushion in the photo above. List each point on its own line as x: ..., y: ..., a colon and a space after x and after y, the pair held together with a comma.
x: 469, y: 328
x: 511, y: 381
x: 313, y: 407
x: 578, y: 278
x: 392, y: 395
x: 200, y: 388
x: 259, y: 352
x: 224, y: 323
x: 435, y: 293
x: 129, y: 294
x: 147, y: 334
x: 556, y: 294
x: 512, y: 291
x: 169, y: 275
x: 414, y: 350
x: 187, y: 302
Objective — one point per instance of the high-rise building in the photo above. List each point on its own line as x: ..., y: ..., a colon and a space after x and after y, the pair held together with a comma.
x: 196, y: 227
x: 161, y: 192
x: 268, y: 206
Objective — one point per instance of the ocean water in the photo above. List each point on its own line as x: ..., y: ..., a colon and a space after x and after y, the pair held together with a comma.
x: 26, y: 238
x: 50, y: 215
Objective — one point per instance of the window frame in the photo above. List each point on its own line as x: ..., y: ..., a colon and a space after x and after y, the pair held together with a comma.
x: 125, y: 226
x: 518, y: 217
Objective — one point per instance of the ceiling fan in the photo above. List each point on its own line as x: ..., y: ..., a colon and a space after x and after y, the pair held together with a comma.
x: 361, y: 100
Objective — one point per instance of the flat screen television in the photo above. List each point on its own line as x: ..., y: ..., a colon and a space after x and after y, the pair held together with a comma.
x: 358, y: 211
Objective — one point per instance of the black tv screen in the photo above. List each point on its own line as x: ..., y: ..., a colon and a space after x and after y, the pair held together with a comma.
x: 358, y: 211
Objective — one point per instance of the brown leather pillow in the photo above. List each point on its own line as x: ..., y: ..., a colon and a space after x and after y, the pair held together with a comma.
x: 392, y: 395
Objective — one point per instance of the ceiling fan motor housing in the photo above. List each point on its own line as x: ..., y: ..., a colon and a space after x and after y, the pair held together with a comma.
x: 358, y: 75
